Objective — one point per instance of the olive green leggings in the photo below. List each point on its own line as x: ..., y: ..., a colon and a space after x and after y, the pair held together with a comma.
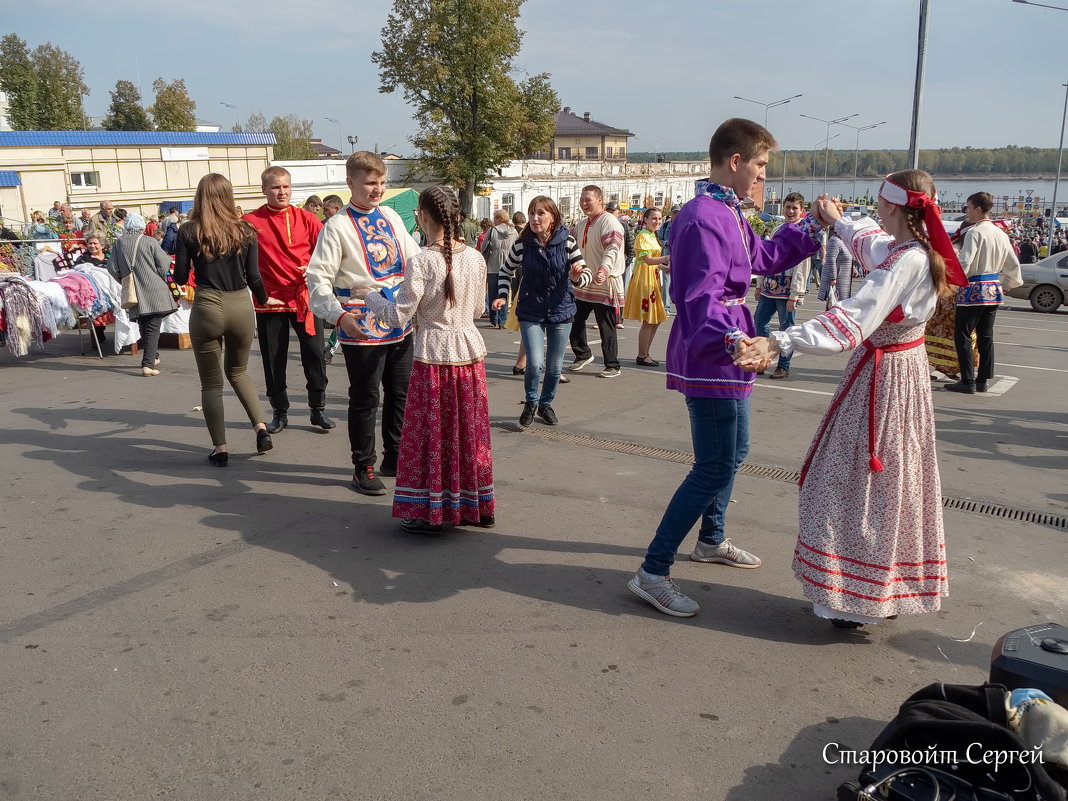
x: 223, y: 324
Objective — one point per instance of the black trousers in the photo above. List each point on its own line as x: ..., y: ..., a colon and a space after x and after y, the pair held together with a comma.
x: 150, y: 325
x: 606, y: 325
x: 272, y: 330
x: 370, y: 368
x: 979, y: 319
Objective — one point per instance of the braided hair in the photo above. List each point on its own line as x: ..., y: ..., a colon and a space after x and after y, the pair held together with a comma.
x: 440, y: 204
x: 920, y: 181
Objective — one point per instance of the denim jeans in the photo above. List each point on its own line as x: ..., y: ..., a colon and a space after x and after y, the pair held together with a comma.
x: 719, y: 428
x: 665, y: 285
x: 496, y: 316
x: 766, y: 307
x: 543, y: 359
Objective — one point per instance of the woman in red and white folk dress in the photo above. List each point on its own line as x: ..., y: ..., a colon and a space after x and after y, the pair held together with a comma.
x: 871, y: 543
x: 444, y: 465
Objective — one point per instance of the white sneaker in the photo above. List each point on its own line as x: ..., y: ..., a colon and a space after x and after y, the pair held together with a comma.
x: 663, y: 593
x: 724, y: 554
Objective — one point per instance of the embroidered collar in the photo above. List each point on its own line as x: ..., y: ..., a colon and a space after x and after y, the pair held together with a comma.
x: 361, y: 209
x: 723, y: 194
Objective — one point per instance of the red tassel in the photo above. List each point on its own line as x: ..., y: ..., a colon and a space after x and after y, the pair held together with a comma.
x: 875, y: 464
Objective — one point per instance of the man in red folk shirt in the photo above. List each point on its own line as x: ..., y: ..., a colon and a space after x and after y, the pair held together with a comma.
x: 287, y: 238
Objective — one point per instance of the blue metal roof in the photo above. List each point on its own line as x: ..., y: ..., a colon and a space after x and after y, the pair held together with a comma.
x: 119, y: 138
x: 10, y: 178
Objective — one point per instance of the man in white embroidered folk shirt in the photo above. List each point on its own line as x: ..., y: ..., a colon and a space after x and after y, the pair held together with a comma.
x: 988, y: 261
x: 600, y: 238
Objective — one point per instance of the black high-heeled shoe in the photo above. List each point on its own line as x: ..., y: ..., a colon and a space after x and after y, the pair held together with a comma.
x: 219, y: 458
x: 518, y: 370
x: 263, y: 441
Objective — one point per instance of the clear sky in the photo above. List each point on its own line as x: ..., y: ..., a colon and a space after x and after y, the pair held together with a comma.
x: 667, y: 71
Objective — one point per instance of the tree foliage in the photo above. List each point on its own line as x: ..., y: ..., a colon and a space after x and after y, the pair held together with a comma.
x: 126, y: 112
x: 451, y: 60
x: 256, y: 123
x: 292, y: 138
x: 44, y: 88
x: 174, y: 109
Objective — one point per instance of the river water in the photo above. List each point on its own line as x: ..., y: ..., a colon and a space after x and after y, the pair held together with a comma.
x: 952, y: 191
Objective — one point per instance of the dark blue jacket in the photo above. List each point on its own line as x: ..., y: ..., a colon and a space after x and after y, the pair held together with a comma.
x: 545, y: 293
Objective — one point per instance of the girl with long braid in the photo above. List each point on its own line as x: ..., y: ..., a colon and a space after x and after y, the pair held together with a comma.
x: 871, y: 544
x: 444, y: 466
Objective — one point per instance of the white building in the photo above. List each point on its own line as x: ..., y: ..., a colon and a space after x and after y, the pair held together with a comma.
x: 630, y: 184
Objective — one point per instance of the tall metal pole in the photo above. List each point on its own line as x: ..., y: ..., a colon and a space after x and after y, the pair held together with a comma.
x: 1056, y: 183
x: 917, y: 94
x: 827, y: 153
x: 782, y: 189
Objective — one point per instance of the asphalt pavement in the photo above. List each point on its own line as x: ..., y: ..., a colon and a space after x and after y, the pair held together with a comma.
x: 174, y: 630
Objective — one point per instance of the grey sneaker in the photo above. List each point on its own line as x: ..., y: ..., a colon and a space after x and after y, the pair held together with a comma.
x: 578, y: 364
x: 609, y: 372
x: 663, y: 593
x: 726, y: 553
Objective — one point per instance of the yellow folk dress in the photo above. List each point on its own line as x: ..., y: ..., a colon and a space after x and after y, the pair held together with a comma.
x: 643, y: 301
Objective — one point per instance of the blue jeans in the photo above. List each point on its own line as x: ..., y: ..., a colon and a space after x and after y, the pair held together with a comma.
x: 665, y: 285
x: 762, y: 320
x: 719, y: 428
x: 543, y: 359
x: 496, y: 316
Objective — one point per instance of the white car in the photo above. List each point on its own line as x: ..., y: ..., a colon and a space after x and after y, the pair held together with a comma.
x: 1045, y: 283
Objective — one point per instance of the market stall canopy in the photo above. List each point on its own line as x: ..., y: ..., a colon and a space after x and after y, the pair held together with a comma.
x: 403, y: 201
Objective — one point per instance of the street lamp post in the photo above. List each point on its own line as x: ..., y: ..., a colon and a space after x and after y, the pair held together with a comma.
x: 352, y: 143
x: 827, y: 152
x: 917, y: 94
x: 856, y: 150
x: 824, y: 143
x: 236, y: 114
x: 1057, y: 182
x: 767, y: 106
x: 770, y: 105
x: 340, y: 138
x: 1040, y: 5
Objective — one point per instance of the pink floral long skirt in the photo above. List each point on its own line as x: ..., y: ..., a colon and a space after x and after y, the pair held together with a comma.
x: 445, y: 463
x: 871, y: 542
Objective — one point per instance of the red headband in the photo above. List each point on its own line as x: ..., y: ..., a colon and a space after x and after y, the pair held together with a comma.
x: 932, y: 218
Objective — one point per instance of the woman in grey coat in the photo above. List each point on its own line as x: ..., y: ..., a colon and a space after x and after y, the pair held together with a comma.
x: 142, y: 255
x: 496, y: 245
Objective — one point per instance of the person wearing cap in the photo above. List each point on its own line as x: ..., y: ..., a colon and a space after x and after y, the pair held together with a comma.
x: 871, y: 544
x: 144, y: 258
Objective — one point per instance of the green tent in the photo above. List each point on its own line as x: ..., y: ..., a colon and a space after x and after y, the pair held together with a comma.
x: 403, y: 201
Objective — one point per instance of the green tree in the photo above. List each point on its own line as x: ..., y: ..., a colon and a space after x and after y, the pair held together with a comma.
x: 292, y: 138
x: 126, y: 112
x: 19, y: 82
x: 44, y: 88
x: 256, y: 123
x: 60, y: 88
x: 174, y: 109
x: 537, y: 123
x: 451, y: 61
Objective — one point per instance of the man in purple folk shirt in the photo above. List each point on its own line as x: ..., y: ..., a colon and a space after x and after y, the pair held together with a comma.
x: 714, y: 253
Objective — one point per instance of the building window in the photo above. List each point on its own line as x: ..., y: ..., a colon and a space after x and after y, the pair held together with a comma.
x: 658, y: 201
x: 621, y: 153
x: 635, y: 201
x: 608, y: 152
x: 508, y: 203
x: 565, y: 153
x: 85, y: 180
x: 591, y: 152
x: 565, y: 207
x: 613, y: 198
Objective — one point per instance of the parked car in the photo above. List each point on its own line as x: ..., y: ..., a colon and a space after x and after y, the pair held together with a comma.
x: 1045, y: 283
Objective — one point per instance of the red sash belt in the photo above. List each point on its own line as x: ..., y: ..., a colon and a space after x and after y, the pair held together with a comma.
x: 296, y: 301
x: 869, y: 351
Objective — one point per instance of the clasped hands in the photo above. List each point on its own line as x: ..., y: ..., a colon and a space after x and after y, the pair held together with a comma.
x: 755, y: 355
